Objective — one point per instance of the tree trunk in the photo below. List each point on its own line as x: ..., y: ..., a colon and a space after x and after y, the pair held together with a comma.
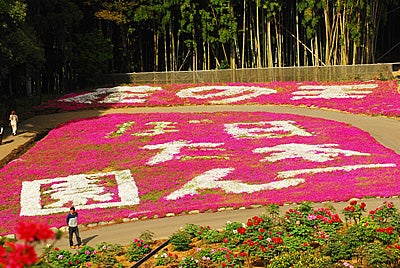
x: 155, y: 37
x: 244, y: 34
x: 165, y: 52
x: 297, y: 40
x: 29, y: 86
x: 258, y: 49
x: 270, y: 59
x: 316, y: 50
x: 328, y: 43
x: 278, y: 43
x: 173, y: 60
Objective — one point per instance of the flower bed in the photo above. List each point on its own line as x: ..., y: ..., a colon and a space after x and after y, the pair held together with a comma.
x: 372, y: 97
x: 303, y: 236
x: 135, y: 165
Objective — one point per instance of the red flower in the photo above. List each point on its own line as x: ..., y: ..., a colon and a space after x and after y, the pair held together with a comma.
x: 17, y: 255
x: 241, y: 230
x: 353, y: 202
x: 31, y: 232
x: 389, y: 230
x: 362, y: 205
x: 349, y: 208
x: 262, y: 230
x: 390, y: 205
x: 277, y: 240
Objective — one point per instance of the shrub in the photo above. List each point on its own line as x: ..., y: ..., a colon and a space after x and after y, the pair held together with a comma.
x: 211, y: 236
x: 189, y: 262
x: 380, y: 256
x: 223, y: 257
x: 107, y: 253
x: 180, y: 240
x: 115, y: 249
x: 165, y: 258
x: 193, y: 230
x: 231, y: 236
x: 298, y: 259
x: 65, y: 258
x: 137, y: 250
x: 147, y: 236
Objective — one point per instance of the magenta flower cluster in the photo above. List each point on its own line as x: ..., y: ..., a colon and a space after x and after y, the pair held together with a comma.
x: 196, y: 161
x: 371, y: 98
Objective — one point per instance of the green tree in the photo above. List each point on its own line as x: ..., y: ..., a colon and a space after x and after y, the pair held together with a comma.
x: 20, y: 51
x: 92, y: 55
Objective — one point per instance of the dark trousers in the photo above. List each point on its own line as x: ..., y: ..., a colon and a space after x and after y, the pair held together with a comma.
x: 72, y: 231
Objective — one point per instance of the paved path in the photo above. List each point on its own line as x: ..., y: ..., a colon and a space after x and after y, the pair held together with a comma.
x: 385, y: 130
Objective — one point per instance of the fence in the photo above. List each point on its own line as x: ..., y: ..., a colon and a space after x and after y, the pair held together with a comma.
x: 311, y: 73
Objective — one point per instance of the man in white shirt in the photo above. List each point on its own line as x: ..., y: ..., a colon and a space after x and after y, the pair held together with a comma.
x: 1, y: 133
x: 72, y: 221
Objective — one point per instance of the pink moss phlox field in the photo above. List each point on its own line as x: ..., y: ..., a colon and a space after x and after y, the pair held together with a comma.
x: 176, y: 162
x: 371, y: 97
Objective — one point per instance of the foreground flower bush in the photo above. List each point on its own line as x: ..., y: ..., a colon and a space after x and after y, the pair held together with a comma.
x: 141, y: 165
x: 371, y: 97
x: 21, y: 252
x: 304, y: 236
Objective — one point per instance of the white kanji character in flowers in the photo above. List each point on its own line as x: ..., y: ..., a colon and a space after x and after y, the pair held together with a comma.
x: 240, y: 93
x: 265, y: 129
x: 333, y: 92
x: 129, y: 94
x: 77, y: 189
x: 311, y: 152
x: 159, y: 128
x: 212, y: 179
x: 120, y: 94
x: 290, y: 174
x: 170, y: 149
x: 121, y: 129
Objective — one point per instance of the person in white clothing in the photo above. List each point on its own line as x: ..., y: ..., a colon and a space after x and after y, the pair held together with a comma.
x: 72, y: 222
x: 13, y: 122
x: 1, y: 133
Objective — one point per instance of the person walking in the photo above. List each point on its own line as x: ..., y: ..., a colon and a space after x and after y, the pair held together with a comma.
x: 72, y: 221
x: 1, y: 133
x: 13, y: 122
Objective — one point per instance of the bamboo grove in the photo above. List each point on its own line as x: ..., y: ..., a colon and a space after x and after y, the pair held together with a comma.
x: 61, y: 45
x: 245, y: 33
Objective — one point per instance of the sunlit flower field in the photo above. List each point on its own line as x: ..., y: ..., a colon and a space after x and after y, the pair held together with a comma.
x: 371, y: 97
x: 145, y: 165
